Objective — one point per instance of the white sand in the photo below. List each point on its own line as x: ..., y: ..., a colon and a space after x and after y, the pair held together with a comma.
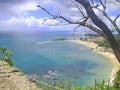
x: 109, y: 55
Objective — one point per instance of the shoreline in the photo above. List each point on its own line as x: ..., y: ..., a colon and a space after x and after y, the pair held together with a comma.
x: 16, y: 77
x: 108, y: 55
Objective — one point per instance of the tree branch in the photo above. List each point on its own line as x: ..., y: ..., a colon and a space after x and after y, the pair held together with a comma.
x: 95, y: 29
x: 76, y: 28
x: 81, y: 22
x: 111, y: 21
x: 78, y: 8
x: 118, y: 0
x: 46, y: 11
x: 116, y: 18
x: 104, y: 6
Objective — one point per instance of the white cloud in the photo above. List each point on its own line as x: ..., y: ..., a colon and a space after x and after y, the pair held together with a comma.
x: 28, y: 6
x: 76, y: 18
x: 29, y: 22
x: 18, y: 8
x: 21, y: 16
x: 32, y: 21
x: 74, y: 9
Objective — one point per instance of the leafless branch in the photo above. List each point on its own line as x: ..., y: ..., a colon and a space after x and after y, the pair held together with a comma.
x: 118, y: 0
x: 103, y: 5
x: 54, y: 16
x: 46, y: 11
x: 113, y: 22
x: 65, y: 19
x: 92, y: 1
x: 76, y: 28
x: 78, y: 8
x: 116, y: 18
x: 82, y: 22
x: 95, y: 29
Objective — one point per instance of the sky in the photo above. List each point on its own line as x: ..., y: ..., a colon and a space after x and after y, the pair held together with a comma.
x: 25, y: 15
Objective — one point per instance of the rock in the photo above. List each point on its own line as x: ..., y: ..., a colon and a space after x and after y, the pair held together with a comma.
x: 102, y: 49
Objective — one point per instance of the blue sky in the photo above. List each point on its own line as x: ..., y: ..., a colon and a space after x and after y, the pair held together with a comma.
x: 25, y: 15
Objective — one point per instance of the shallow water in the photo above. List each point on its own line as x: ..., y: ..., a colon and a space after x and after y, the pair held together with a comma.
x: 35, y: 54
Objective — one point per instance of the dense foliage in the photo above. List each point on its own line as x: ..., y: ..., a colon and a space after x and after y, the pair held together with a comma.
x: 105, y: 43
x: 6, y: 55
x: 118, y: 39
x: 117, y: 81
x: 59, y: 39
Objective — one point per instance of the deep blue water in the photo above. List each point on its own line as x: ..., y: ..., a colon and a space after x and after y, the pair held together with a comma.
x: 34, y: 53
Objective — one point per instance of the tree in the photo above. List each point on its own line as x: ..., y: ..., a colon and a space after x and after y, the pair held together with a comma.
x: 5, y: 55
x: 98, y: 25
x: 117, y: 81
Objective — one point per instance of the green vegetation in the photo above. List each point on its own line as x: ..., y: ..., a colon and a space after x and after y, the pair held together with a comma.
x: 115, y: 28
x: 118, y: 39
x: 98, y: 85
x: 5, y: 55
x: 105, y: 43
x: 117, y: 81
x: 84, y: 39
x: 59, y: 39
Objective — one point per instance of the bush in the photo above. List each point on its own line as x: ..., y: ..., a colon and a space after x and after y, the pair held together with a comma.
x: 105, y: 43
x: 117, y: 81
x: 59, y: 39
x: 118, y: 39
x: 5, y: 55
x: 9, y: 61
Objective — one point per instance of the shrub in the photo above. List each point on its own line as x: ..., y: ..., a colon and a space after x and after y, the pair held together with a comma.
x: 59, y: 39
x: 118, y: 39
x: 105, y: 43
x: 5, y: 55
x: 9, y: 61
x: 117, y: 81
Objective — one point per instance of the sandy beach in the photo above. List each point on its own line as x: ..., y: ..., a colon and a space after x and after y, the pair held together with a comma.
x: 12, y: 79
x: 108, y: 55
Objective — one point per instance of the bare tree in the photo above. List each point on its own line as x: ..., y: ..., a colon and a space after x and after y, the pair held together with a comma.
x: 103, y: 11
x: 99, y: 26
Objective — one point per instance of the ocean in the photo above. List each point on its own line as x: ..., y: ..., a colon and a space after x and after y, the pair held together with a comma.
x: 36, y: 55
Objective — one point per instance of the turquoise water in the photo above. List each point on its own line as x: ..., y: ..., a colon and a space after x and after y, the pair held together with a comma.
x: 34, y: 53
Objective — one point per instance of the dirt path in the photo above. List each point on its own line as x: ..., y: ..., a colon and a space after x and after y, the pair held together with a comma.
x: 12, y: 79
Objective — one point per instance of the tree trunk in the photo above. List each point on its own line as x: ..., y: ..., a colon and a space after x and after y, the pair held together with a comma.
x: 99, y: 23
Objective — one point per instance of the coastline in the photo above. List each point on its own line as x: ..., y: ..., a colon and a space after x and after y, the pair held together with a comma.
x: 21, y: 82
x: 108, y: 55
x: 13, y: 79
